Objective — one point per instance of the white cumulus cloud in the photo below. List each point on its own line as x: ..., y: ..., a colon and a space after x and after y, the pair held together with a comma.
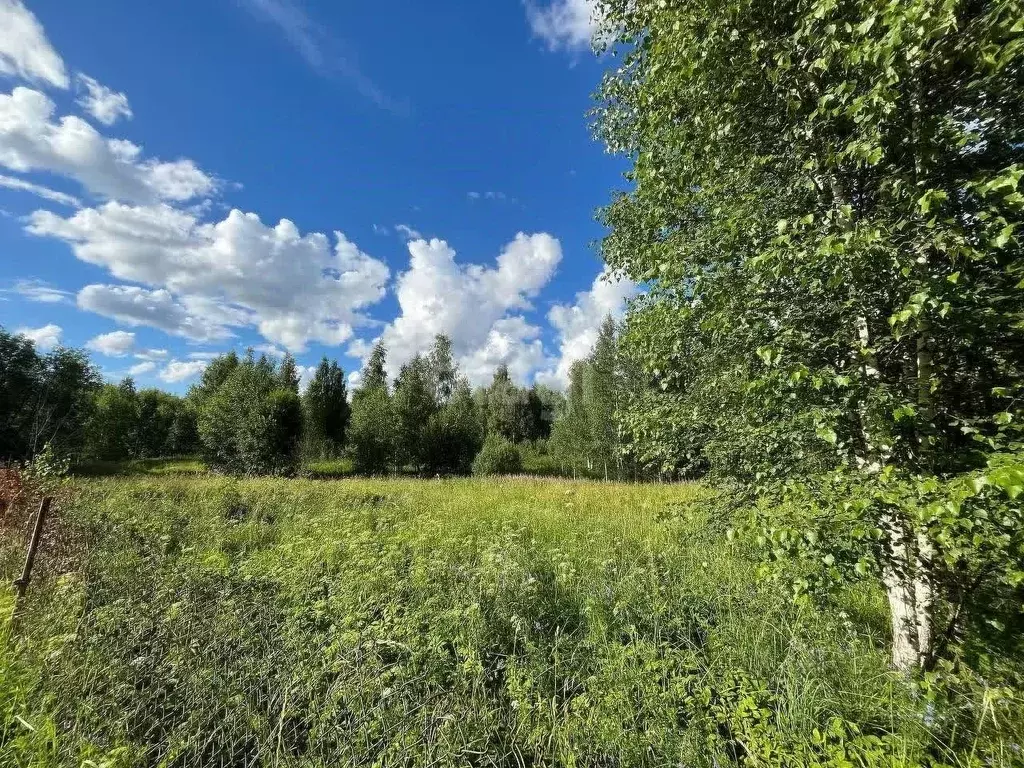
x: 45, y: 338
x: 182, y: 370
x: 132, y: 305
x: 511, y: 341
x: 566, y: 24
x: 473, y: 304
x: 115, y: 344
x: 24, y: 50
x: 206, y: 278
x: 105, y: 104
x: 142, y: 369
x: 31, y: 139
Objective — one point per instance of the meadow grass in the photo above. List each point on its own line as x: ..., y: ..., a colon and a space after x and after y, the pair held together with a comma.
x: 185, y: 465
x: 210, y: 621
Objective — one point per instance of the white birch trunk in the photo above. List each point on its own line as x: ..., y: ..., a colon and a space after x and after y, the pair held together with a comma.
x: 899, y: 588
x: 924, y: 599
x: 899, y: 564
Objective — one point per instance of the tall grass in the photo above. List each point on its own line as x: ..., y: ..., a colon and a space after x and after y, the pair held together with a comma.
x: 209, y: 621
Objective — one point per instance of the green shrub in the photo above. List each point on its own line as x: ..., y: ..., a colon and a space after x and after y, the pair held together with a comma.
x: 249, y: 425
x: 498, y: 457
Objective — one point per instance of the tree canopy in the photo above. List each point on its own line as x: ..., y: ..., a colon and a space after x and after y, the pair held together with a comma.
x: 825, y: 206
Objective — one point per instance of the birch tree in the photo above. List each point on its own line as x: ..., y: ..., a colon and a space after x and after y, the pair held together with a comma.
x: 827, y: 193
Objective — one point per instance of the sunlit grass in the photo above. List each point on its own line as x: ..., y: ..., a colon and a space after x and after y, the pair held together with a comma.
x: 507, y: 621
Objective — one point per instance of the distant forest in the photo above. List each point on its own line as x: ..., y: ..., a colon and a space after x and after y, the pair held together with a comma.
x: 247, y: 415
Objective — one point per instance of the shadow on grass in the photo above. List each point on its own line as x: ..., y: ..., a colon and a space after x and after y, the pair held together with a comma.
x: 328, y: 469
x: 333, y: 469
x: 182, y: 465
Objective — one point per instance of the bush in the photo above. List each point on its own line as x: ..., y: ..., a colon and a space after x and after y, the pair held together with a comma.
x: 249, y: 426
x: 498, y: 457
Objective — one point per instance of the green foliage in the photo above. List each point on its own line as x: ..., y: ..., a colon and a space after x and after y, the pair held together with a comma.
x: 166, y: 427
x: 248, y: 424
x: 502, y: 406
x: 414, y: 403
x: 326, y: 411
x: 46, y: 473
x: 546, y: 405
x: 284, y: 412
x: 222, y: 622
x: 825, y: 206
x: 214, y: 375
x: 114, y: 424
x: 375, y: 374
x: 825, y: 532
x: 442, y: 370
x: 498, y: 456
x: 29, y: 736
x: 820, y: 195
x: 19, y: 379
x: 454, y: 434
x: 329, y: 469
x: 431, y: 424
x: 183, y: 432
x: 288, y: 374
x: 44, y: 399
x: 373, y: 431
x: 515, y: 413
x: 570, y: 437
x: 587, y: 435
x: 153, y: 467
x: 126, y: 424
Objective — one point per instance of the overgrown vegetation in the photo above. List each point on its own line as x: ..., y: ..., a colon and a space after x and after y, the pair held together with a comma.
x: 498, y: 457
x: 249, y: 416
x: 213, y: 622
x: 825, y: 210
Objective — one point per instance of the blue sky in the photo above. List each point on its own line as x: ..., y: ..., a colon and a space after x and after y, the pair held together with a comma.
x: 180, y: 179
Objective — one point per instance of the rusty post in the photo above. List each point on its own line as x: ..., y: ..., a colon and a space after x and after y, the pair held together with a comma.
x: 33, y: 546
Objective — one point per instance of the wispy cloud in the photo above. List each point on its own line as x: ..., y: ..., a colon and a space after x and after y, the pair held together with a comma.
x: 407, y: 232
x: 46, y: 193
x: 41, y: 291
x: 326, y: 54
x: 492, y: 195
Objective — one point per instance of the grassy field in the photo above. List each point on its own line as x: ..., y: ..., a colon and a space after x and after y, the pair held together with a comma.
x: 183, y: 620
x: 534, y: 463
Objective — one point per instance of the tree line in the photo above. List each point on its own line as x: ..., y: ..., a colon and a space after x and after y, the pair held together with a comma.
x: 246, y: 415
